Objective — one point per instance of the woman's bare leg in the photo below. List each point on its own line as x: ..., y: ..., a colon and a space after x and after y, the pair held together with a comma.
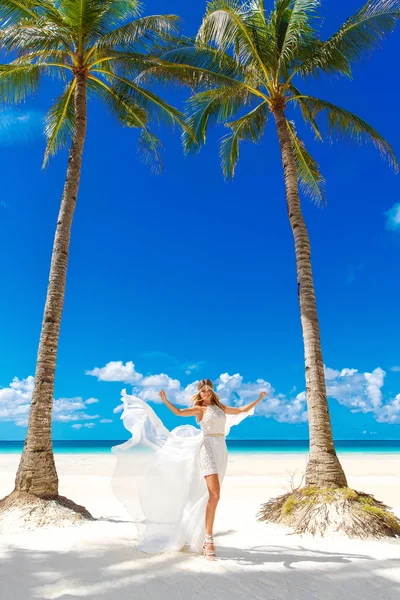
x: 213, y: 486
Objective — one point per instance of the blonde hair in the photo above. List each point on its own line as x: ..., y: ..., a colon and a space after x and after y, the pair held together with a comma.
x: 196, y: 400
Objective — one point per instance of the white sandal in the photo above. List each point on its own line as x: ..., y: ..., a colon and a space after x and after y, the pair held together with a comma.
x: 208, y: 553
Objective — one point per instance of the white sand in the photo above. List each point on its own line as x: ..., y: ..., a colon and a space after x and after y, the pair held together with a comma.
x: 98, y: 560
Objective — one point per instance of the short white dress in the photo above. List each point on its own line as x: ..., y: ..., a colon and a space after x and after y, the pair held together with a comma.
x: 160, y: 474
x: 213, y: 450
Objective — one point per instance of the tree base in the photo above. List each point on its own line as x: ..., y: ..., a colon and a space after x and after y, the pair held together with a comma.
x: 321, y: 511
x: 22, y: 511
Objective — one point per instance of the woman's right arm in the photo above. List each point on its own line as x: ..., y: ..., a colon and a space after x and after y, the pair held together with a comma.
x: 180, y: 412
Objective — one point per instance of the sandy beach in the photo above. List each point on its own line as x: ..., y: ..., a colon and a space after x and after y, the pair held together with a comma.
x: 98, y: 560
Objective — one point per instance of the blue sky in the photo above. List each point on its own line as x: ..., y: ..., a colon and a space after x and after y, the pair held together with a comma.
x: 187, y: 276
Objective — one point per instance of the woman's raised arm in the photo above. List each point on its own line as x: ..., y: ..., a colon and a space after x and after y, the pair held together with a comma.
x: 180, y: 412
x: 231, y: 410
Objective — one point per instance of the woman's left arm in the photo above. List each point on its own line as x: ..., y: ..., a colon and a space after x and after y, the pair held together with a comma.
x: 231, y: 410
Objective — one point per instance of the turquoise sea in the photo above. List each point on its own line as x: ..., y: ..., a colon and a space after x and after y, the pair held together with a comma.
x: 259, y: 446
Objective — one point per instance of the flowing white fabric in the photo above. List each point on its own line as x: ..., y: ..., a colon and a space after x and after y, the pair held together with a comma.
x: 159, y: 479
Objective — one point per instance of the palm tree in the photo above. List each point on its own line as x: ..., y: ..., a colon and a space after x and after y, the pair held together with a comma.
x: 96, y: 48
x: 260, y: 58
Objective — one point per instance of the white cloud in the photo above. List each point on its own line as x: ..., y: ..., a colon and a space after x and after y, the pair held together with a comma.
x: 105, y: 421
x: 15, y: 401
x: 89, y: 425
x: 231, y: 389
x: 362, y: 392
x: 91, y: 401
x: 117, y: 371
x: 359, y: 392
x: 395, y: 369
x: 77, y: 426
x: 277, y: 406
x: 393, y: 217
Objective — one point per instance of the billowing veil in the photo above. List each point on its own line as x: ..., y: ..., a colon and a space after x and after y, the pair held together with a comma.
x: 159, y: 480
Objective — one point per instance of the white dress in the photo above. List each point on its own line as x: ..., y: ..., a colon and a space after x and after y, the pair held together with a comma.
x: 159, y: 474
x: 213, y: 450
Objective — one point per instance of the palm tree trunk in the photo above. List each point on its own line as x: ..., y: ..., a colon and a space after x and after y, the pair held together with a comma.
x: 37, y: 472
x: 323, y: 468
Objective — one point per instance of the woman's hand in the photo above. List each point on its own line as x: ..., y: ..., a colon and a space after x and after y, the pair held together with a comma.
x: 163, y: 395
x: 262, y: 396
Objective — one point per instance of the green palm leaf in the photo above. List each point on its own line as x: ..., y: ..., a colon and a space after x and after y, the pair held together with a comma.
x: 344, y: 124
x: 17, y: 81
x: 308, y: 173
x: 119, y: 104
x: 227, y: 25
x: 11, y: 11
x: 249, y: 127
x: 362, y: 32
x: 141, y: 32
x: 219, y: 104
x: 149, y: 148
x: 293, y: 27
x: 59, y: 122
x: 306, y: 112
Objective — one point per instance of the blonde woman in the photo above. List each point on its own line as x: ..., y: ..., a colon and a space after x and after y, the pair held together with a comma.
x: 211, y: 414
x: 180, y: 483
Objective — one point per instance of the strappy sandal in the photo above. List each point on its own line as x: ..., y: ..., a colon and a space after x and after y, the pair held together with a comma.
x: 208, y: 544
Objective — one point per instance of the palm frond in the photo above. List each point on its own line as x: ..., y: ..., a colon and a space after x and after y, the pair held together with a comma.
x: 126, y: 64
x: 219, y: 104
x: 249, y: 127
x: 117, y: 12
x: 143, y: 32
x: 297, y: 99
x: 344, y: 124
x: 85, y: 18
x: 119, y: 104
x: 361, y: 33
x: 229, y: 26
x: 17, y: 81
x: 200, y: 69
x: 59, y: 122
x: 154, y: 106
x: 294, y: 27
x: 308, y: 174
x: 27, y: 35
x: 11, y: 11
x: 149, y: 149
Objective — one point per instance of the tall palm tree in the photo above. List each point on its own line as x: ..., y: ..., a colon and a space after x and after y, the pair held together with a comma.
x: 259, y: 59
x: 96, y: 48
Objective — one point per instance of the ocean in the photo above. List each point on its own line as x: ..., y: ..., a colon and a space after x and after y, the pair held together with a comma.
x: 235, y: 446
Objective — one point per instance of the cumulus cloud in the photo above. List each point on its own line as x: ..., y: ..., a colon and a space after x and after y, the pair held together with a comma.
x: 117, y: 371
x: 15, y: 401
x: 362, y: 392
x: 91, y: 401
x: 393, y: 217
x: 359, y: 392
x: 395, y: 369
x: 232, y: 389
x: 277, y: 406
x: 105, y: 421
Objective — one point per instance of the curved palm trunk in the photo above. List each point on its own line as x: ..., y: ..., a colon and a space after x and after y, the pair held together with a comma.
x: 323, y: 468
x: 37, y: 472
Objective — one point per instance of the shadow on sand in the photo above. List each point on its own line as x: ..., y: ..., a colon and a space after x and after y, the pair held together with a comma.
x: 120, y: 572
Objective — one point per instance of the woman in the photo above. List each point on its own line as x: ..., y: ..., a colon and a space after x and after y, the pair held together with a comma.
x: 179, y: 487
